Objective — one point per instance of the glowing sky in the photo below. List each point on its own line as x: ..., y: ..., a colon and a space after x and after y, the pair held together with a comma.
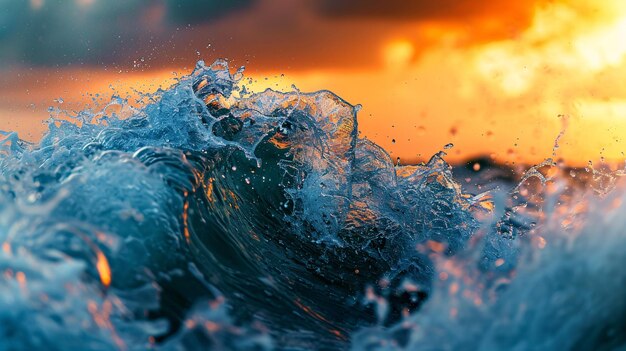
x: 493, y: 78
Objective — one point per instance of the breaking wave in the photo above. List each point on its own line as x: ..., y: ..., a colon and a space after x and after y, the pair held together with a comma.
x: 210, y: 218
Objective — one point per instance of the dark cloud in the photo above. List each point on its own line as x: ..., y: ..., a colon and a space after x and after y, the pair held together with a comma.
x: 274, y: 34
x: 425, y: 9
x: 197, y: 11
x: 59, y: 32
x: 397, y: 9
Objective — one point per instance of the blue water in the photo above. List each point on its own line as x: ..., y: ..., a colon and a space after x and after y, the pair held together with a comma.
x: 211, y: 218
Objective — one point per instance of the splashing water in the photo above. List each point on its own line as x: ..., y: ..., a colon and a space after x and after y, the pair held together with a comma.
x: 208, y: 218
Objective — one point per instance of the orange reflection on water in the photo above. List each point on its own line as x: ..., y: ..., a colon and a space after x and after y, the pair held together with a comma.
x: 104, y: 270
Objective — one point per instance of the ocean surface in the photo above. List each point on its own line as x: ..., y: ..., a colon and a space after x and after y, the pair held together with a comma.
x: 204, y: 217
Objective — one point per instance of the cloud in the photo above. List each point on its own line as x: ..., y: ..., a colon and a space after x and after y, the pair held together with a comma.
x: 61, y: 32
x: 457, y: 10
x: 197, y: 11
x: 350, y: 35
x: 269, y: 34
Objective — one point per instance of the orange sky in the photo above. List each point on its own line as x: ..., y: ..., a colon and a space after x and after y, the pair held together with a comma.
x: 491, y: 79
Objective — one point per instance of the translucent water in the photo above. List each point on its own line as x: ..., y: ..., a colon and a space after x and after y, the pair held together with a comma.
x: 208, y: 218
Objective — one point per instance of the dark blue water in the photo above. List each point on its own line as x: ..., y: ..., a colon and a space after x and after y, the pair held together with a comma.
x: 209, y: 218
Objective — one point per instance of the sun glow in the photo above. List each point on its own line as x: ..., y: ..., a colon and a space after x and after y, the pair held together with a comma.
x: 398, y: 54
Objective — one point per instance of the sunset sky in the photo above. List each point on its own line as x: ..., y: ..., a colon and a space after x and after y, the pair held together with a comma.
x: 497, y: 78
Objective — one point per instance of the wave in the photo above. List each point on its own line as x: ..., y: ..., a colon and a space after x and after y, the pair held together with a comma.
x: 211, y: 218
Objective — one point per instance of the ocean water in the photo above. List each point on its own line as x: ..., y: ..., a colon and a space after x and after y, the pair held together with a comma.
x: 208, y: 218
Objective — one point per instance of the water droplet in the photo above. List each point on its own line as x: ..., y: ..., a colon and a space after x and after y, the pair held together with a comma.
x: 448, y: 146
